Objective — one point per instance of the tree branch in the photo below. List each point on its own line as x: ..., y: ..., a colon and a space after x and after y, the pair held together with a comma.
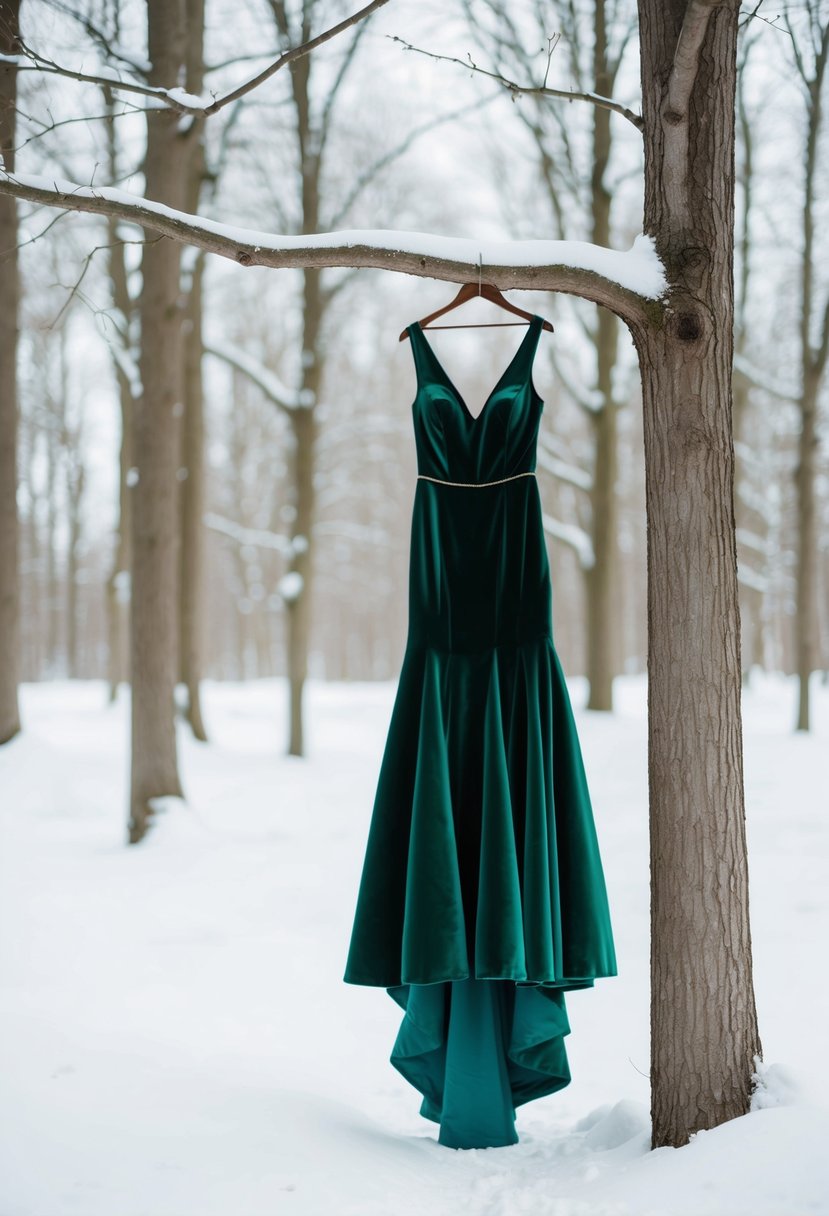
x: 572, y: 535
x: 264, y: 379
x: 369, y: 175
x: 630, y: 284
x: 606, y: 103
x: 177, y: 98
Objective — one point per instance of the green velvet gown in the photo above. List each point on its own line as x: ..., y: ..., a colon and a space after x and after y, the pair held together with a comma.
x: 482, y: 898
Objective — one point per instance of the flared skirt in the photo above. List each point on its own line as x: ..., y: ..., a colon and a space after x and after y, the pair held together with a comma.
x: 482, y: 898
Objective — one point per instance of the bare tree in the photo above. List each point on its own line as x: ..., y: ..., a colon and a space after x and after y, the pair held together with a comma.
x: 125, y: 355
x: 191, y: 465
x: 9, y: 293
x: 810, y: 50
x: 156, y: 436
x: 702, y: 1047
x: 576, y: 195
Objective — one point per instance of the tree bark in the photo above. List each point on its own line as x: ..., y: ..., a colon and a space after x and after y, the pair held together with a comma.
x: 813, y: 365
x: 704, y: 1032
x: 75, y: 481
x: 602, y: 590
x: 806, y: 619
x: 156, y: 437
x: 304, y: 420
x: 191, y: 591
x: 191, y: 574
x: 118, y: 589
x: 10, y: 637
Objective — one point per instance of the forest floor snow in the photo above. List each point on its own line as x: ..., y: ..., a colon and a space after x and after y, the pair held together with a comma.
x: 177, y: 1039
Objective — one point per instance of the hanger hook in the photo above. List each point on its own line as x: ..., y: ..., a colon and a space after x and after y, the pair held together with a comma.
x: 480, y: 269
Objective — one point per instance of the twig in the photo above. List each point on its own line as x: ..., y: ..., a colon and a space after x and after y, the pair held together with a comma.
x: 606, y: 103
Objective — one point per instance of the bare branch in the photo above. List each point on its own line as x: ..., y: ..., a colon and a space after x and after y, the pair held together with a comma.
x: 264, y: 379
x: 260, y: 538
x: 516, y: 89
x: 342, y: 72
x: 563, y: 471
x: 748, y: 370
x: 296, y: 53
x: 178, y: 99
x: 637, y: 284
x: 104, y: 40
x: 574, y: 536
x: 367, y: 177
x: 39, y: 63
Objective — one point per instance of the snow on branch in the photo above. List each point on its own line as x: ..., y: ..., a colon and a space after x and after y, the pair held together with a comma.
x: 541, y: 90
x: 751, y: 579
x: 177, y: 98
x: 573, y: 536
x: 264, y: 379
x: 620, y: 281
x: 748, y: 369
x: 563, y: 470
x: 260, y: 538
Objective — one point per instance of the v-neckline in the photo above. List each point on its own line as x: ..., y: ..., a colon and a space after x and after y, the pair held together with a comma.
x: 475, y: 418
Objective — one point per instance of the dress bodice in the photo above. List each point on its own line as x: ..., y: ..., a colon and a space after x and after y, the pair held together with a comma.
x: 479, y: 572
x: 456, y: 445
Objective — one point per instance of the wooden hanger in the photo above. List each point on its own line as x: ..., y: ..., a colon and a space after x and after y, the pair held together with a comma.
x: 469, y: 291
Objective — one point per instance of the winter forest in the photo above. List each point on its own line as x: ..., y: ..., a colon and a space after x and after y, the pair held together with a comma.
x: 219, y: 223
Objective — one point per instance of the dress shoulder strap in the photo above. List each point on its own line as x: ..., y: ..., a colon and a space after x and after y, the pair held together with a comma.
x: 529, y: 347
x: 420, y: 351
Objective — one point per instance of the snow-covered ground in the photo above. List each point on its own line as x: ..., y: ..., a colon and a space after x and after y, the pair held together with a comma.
x: 177, y: 1039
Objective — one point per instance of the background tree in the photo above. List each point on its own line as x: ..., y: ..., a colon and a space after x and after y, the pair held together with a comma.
x: 579, y: 197
x: 156, y: 440
x: 809, y: 49
x: 9, y: 291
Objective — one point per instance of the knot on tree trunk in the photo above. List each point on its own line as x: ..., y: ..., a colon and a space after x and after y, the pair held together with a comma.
x: 686, y: 325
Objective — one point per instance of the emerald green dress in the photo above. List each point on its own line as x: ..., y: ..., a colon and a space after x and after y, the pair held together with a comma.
x: 482, y: 898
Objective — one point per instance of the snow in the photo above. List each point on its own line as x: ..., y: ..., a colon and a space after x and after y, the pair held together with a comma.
x: 564, y: 470
x: 176, y: 1037
x: 256, y: 538
x: 637, y: 269
x: 193, y: 101
x: 126, y: 362
x: 290, y: 586
x: 265, y: 379
x: 572, y: 535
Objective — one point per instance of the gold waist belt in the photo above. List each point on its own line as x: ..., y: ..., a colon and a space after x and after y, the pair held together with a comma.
x: 500, y: 481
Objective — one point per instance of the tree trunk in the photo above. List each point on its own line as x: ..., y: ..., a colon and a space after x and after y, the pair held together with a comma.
x: 813, y: 365
x: 156, y: 437
x: 75, y: 480
x: 10, y: 638
x: 120, y: 578
x: 806, y: 613
x: 602, y: 591
x: 305, y: 427
x: 191, y: 584
x: 602, y: 588
x: 704, y: 1032
x: 191, y: 597
x: 304, y: 420
x: 119, y: 581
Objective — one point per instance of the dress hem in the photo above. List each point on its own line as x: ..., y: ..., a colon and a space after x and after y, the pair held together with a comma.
x: 573, y: 981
